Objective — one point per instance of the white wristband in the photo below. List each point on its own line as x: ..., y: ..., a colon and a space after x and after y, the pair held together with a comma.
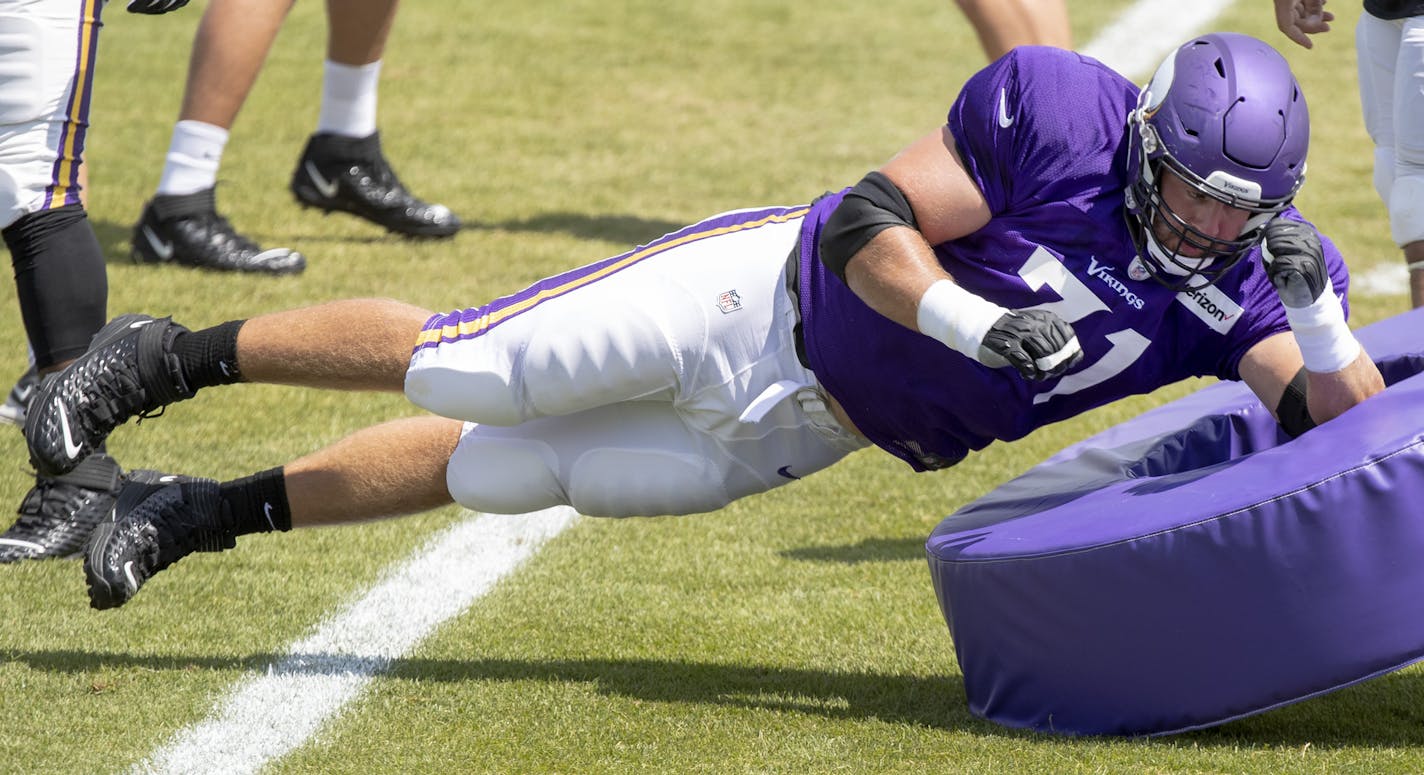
x: 956, y: 317
x: 1325, y: 341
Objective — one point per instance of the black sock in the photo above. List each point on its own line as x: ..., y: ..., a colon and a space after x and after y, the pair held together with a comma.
x: 258, y: 503
x: 209, y: 357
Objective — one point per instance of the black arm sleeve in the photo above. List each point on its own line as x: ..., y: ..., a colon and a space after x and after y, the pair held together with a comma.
x: 1292, y: 412
x: 872, y: 206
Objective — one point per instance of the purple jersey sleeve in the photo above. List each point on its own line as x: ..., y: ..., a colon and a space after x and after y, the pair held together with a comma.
x: 1023, y: 125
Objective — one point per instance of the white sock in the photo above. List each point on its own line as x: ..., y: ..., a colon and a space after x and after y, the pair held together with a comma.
x: 193, y: 158
x: 348, y: 99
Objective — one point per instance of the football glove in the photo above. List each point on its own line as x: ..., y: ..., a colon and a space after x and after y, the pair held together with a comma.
x: 1037, y: 343
x: 154, y: 7
x: 1295, y: 262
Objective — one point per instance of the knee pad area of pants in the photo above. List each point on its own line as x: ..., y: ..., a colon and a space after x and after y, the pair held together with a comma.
x: 1406, y: 209
x: 502, y: 475
x: 612, y: 482
x: 499, y: 474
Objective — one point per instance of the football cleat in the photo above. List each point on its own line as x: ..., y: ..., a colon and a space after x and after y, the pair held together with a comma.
x: 59, y: 514
x: 186, y: 229
x: 18, y: 402
x: 128, y: 370
x: 351, y: 175
x: 158, y: 519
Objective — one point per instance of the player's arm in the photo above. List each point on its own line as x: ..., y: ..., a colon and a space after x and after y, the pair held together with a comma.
x: 878, y: 240
x: 1317, y: 370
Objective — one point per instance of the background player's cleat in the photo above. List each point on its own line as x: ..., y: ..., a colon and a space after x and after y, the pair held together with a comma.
x: 158, y: 519
x: 18, y: 402
x: 128, y: 370
x: 188, y: 230
x: 351, y: 175
x: 59, y: 514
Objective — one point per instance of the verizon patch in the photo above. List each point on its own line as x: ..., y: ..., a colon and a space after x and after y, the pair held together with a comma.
x: 1213, y: 307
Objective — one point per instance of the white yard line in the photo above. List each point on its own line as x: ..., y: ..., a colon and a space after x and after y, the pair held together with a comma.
x: 272, y: 714
x: 1138, y: 40
x: 1380, y: 280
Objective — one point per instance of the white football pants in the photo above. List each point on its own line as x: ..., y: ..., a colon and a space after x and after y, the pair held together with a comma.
x: 661, y: 381
x: 1391, y: 70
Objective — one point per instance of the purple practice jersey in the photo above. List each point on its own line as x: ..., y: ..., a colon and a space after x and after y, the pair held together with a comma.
x: 1043, y: 133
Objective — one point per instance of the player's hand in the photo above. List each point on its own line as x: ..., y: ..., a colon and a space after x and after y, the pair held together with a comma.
x: 1036, y: 342
x: 1295, y: 262
x: 154, y: 7
x: 1299, y: 19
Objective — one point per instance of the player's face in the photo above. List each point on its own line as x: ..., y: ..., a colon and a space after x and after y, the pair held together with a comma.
x: 1188, y: 206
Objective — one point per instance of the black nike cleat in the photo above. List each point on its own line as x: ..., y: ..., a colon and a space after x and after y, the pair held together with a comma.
x: 18, y: 402
x: 351, y: 175
x: 59, y: 514
x: 128, y: 370
x: 186, y: 229
x: 158, y: 519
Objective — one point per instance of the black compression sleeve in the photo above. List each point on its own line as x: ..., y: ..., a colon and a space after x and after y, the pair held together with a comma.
x: 61, y: 281
x: 872, y: 206
x: 1293, y: 412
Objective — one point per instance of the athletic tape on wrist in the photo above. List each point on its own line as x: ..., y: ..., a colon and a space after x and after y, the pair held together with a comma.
x: 1326, y: 343
x: 956, y: 317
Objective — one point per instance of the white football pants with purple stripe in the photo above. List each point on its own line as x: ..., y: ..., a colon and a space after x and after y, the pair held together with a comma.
x: 47, y: 51
x: 660, y: 381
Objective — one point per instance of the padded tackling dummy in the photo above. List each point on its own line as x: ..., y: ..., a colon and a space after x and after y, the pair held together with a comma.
x: 1194, y: 565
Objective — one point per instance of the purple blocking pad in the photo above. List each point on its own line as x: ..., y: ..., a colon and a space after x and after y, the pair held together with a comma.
x: 1193, y: 565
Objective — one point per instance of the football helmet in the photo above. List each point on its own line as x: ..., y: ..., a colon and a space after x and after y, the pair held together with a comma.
x: 1225, y: 114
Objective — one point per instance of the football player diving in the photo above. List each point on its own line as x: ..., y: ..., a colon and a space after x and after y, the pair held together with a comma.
x: 1062, y: 241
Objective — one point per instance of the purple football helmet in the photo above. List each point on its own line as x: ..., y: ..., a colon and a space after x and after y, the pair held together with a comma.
x: 1225, y: 114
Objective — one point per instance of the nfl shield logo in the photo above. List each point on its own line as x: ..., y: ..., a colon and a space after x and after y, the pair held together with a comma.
x: 729, y: 302
x: 1137, y: 270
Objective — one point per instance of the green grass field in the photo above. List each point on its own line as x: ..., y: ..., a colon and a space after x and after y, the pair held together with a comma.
x: 792, y: 632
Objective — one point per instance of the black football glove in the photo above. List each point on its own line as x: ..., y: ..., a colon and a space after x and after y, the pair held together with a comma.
x: 1295, y: 262
x: 154, y: 7
x: 1036, y: 342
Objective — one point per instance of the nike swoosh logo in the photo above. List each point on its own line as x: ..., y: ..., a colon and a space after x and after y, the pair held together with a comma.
x: 128, y: 573
x: 786, y: 472
x: 163, y: 249
x: 326, y: 187
x: 1004, y: 120
x: 267, y: 512
x: 70, y: 448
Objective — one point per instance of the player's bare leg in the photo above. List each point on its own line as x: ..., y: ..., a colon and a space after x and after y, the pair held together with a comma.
x: 361, y: 344
x: 383, y: 471
x: 357, y: 29
x: 229, y: 48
